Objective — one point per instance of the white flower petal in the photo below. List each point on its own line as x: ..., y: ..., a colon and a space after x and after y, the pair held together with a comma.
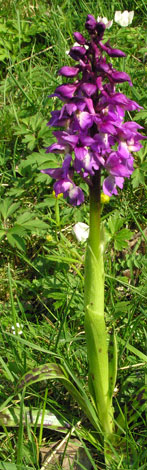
x: 109, y: 24
x: 104, y: 20
x: 81, y: 231
x: 125, y: 18
x: 117, y: 16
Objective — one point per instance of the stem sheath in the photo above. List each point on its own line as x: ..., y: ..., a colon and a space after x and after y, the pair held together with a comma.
x: 96, y: 336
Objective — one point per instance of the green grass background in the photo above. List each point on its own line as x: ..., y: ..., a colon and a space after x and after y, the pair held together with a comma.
x: 42, y: 264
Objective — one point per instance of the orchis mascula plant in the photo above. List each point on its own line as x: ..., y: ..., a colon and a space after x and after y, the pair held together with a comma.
x: 95, y: 142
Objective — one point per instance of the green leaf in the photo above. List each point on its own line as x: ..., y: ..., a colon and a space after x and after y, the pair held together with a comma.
x: 112, y: 354
x: 16, y: 241
x: 54, y: 371
x: 43, y: 178
x: 35, y: 224
x: 17, y: 230
x: 13, y: 466
x: 11, y: 417
x: 2, y: 233
x: 26, y: 216
x: 141, y: 116
x: 131, y: 348
x: 137, y: 178
x: 48, y: 202
x: 4, y: 206
x: 115, y: 222
x: 121, y: 237
x: 13, y: 208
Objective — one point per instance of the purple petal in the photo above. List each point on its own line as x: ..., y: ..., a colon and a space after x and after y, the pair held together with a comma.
x: 105, y: 127
x: 91, y: 23
x: 120, y: 77
x: 62, y: 186
x: 89, y: 88
x: 86, y: 140
x: 55, y: 148
x: 71, y: 108
x: 123, y: 150
x: 119, y: 166
x: 119, y: 182
x: 132, y: 125
x: 55, y: 173
x: 64, y: 137
x: 85, y: 120
x: 58, y: 118
x: 110, y: 51
x: 65, y: 91
x: 67, y: 162
x: 77, y: 52
x: 121, y: 99
x: 89, y: 104
x: 68, y: 71
x: 76, y: 195
x: 79, y: 38
x: 109, y: 185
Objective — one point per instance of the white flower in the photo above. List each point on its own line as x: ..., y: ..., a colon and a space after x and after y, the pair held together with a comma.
x: 81, y: 231
x: 125, y: 18
x: 104, y: 20
x: 19, y: 329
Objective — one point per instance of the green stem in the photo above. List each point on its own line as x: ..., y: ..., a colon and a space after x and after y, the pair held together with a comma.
x: 57, y: 213
x: 96, y: 336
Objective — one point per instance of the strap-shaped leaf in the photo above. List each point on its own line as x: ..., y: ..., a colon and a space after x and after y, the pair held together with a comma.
x: 112, y: 352
x: 54, y: 371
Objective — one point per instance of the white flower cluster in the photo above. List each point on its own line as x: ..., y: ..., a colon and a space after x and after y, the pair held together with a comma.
x: 124, y: 18
x: 19, y: 329
x: 81, y: 231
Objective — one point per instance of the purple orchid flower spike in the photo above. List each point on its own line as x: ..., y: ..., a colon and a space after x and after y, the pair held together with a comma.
x: 94, y: 140
x: 92, y: 118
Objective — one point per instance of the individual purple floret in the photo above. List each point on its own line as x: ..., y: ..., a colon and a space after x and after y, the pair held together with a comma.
x: 92, y: 134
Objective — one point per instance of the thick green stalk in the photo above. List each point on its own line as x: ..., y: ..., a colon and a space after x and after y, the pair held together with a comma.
x: 96, y: 336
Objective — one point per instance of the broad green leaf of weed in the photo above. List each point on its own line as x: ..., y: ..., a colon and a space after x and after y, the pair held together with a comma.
x: 137, y: 178
x: 115, y: 222
x: 16, y: 241
x: 7, y: 208
x: 141, y: 116
x: 121, y: 237
x: 118, y: 235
